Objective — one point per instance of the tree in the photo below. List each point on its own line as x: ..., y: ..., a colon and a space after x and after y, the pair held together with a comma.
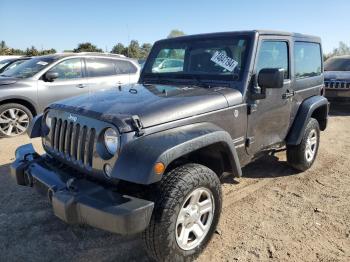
x: 31, y: 51
x: 134, y: 49
x: 87, y: 47
x: 175, y: 33
x: 145, y: 49
x: 47, y: 51
x: 2, y: 44
x: 118, y: 49
x: 342, y: 49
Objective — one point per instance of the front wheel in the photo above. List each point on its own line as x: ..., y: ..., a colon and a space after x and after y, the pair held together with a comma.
x: 302, y: 156
x: 14, y: 119
x: 186, y: 213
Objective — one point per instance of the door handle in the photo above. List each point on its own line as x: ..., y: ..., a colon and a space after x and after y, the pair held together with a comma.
x: 81, y: 85
x: 288, y: 94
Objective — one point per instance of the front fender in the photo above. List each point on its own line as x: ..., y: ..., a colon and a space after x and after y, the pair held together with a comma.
x: 137, y: 158
x: 305, y: 112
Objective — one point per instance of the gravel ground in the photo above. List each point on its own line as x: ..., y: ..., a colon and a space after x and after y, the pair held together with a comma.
x: 271, y: 213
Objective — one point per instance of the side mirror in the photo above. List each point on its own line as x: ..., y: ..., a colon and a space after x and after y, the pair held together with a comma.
x: 271, y: 78
x: 50, y: 76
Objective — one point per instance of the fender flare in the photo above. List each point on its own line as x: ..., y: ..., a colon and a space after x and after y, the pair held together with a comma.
x: 306, y: 109
x: 138, y: 157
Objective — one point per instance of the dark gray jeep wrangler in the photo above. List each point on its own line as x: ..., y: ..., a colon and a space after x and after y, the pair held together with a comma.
x: 149, y: 157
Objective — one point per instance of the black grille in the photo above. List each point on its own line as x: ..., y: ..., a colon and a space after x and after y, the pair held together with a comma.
x: 72, y: 140
x: 339, y: 85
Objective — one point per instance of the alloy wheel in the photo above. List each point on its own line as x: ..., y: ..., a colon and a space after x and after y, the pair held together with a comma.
x: 311, y: 145
x: 13, y: 122
x: 195, y: 218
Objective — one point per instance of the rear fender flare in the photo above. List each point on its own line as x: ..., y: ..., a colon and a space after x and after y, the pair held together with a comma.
x: 305, y: 112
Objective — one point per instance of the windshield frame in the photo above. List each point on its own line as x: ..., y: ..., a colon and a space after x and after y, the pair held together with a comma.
x: 147, y: 73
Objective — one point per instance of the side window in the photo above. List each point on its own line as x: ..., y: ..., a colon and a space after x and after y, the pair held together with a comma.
x: 100, y: 67
x: 68, y: 69
x: 273, y: 54
x: 308, y: 59
x: 124, y: 67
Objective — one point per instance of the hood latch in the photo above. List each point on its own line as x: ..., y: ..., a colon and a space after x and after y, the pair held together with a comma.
x: 137, y: 124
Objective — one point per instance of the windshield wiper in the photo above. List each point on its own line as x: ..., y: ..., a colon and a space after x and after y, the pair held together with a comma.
x: 199, y: 82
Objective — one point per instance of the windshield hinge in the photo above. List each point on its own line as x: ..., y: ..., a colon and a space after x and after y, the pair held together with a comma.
x: 137, y: 124
x: 252, y: 108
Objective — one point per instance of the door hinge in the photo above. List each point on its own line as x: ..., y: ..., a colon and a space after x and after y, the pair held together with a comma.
x: 137, y: 124
x: 288, y: 94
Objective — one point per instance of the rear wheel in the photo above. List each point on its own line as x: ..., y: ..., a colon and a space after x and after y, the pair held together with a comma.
x: 186, y: 213
x: 302, y: 156
x: 14, y: 119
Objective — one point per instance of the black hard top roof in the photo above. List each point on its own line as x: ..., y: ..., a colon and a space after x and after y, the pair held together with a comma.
x: 252, y: 33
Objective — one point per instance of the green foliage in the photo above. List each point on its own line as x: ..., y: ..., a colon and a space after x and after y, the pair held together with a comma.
x: 133, y: 50
x: 145, y: 49
x: 342, y: 49
x: 2, y: 45
x: 32, y: 51
x: 87, y: 47
x: 175, y: 33
x: 118, y: 49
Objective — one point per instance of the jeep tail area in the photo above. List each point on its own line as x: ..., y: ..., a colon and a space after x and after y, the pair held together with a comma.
x: 149, y: 157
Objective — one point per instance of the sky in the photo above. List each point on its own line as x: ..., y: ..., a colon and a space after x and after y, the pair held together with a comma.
x: 63, y: 24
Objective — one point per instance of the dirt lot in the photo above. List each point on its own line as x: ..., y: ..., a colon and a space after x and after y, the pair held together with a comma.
x: 271, y: 213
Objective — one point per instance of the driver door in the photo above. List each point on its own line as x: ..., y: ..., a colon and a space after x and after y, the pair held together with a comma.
x: 70, y: 82
x: 269, y: 120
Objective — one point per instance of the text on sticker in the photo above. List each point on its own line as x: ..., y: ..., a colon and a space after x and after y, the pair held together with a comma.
x: 224, y: 61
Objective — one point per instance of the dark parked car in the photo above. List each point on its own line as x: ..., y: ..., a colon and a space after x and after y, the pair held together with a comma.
x: 11, y: 63
x: 150, y: 157
x: 337, y: 78
x: 28, y: 88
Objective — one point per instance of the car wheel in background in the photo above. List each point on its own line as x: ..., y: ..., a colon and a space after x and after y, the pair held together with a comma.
x: 14, y: 119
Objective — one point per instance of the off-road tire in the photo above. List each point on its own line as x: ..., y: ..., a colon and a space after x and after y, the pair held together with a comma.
x: 8, y: 106
x: 175, y: 186
x: 296, y: 154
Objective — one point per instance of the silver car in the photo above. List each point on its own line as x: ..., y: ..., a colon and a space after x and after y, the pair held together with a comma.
x: 28, y: 88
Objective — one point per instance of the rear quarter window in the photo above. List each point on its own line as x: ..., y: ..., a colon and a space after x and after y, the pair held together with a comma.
x: 124, y: 67
x: 97, y: 67
x: 307, y: 59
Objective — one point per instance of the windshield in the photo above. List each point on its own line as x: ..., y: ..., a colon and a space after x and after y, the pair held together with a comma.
x: 337, y: 64
x: 207, y: 59
x: 28, y: 68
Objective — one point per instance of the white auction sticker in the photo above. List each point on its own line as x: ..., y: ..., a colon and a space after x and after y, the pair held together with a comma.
x: 224, y: 61
x: 42, y: 63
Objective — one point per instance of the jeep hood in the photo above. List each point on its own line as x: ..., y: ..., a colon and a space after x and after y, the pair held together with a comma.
x: 337, y: 75
x: 153, y: 104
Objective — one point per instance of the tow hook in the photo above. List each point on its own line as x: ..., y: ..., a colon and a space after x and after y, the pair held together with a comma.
x: 70, y: 186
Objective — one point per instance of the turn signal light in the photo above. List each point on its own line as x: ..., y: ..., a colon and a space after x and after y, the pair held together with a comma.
x: 159, y: 168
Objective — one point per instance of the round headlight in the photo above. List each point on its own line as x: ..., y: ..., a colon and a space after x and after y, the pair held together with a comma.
x: 111, y: 137
x: 48, y: 121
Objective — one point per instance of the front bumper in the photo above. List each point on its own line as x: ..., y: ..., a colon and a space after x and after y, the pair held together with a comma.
x: 78, y: 200
x: 332, y: 94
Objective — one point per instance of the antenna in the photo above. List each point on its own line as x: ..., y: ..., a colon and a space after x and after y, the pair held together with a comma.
x: 128, y: 51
